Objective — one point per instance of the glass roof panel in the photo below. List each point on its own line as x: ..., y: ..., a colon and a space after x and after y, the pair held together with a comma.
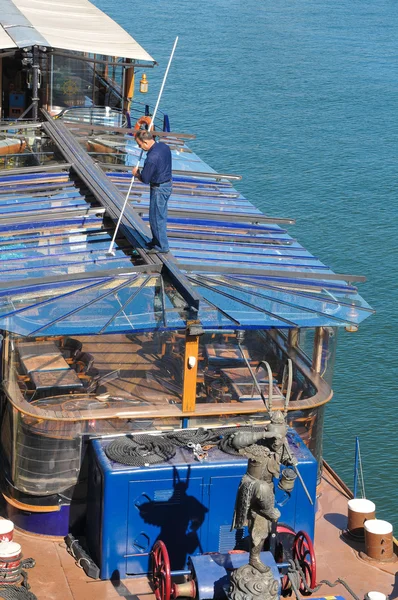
x: 285, y: 303
x: 243, y: 314
x: 38, y: 317
x: 227, y: 261
x: 14, y: 301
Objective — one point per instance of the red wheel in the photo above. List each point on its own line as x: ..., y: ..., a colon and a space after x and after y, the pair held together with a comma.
x: 283, y: 551
x: 161, y: 576
x: 303, y: 551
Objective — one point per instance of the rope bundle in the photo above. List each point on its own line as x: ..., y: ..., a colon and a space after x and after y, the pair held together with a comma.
x: 16, y: 592
x: 140, y: 450
x: 199, y: 436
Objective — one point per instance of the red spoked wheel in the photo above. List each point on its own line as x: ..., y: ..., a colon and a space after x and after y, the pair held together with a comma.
x: 161, y: 575
x: 285, y: 536
x: 303, y: 551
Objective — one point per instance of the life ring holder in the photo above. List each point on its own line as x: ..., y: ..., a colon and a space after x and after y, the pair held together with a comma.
x: 143, y: 123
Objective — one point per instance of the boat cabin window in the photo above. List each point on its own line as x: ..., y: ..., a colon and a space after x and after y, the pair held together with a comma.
x: 148, y: 369
x: 78, y: 83
x: 61, y: 389
x: 64, y: 82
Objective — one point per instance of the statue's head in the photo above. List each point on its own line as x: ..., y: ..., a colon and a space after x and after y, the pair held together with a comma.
x: 277, y: 444
x: 277, y: 418
x: 247, y: 583
x: 278, y: 423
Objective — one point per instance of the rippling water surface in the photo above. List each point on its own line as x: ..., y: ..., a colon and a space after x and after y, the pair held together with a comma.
x: 301, y: 99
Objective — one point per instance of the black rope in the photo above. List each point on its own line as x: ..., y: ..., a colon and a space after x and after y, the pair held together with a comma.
x: 197, y: 436
x: 16, y: 592
x: 295, y: 567
x: 140, y: 450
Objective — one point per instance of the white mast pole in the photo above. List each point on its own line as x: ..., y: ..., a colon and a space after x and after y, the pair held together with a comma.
x: 111, y: 251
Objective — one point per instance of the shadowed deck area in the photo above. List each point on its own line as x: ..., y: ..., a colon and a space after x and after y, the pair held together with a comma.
x: 57, y: 577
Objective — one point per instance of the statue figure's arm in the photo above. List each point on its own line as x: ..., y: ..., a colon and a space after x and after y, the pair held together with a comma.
x: 242, y: 439
x: 288, y: 458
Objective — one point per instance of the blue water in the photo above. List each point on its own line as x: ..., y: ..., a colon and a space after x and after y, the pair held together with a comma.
x: 301, y: 99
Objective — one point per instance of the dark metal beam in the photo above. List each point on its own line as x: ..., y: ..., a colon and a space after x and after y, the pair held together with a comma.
x: 180, y: 281
x: 20, y: 125
x: 215, y: 176
x: 222, y: 216
x: 232, y: 239
x: 38, y: 169
x: 126, y: 130
x: 39, y: 216
x: 72, y: 277
x: 250, y: 272
x: 221, y: 187
x: 181, y: 189
x: 111, y: 198
x: 6, y: 188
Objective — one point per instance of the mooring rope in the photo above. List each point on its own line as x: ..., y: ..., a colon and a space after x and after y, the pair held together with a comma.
x: 140, y: 450
x: 295, y: 568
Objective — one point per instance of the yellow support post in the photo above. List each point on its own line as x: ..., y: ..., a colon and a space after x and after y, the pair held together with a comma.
x: 128, y: 91
x: 190, y: 372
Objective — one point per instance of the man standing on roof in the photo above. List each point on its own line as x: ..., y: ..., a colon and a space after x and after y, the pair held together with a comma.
x: 157, y: 172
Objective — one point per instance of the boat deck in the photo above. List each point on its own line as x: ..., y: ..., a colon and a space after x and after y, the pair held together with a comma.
x: 57, y: 577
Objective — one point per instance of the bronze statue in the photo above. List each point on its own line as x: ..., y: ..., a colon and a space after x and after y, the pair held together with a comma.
x: 255, y: 501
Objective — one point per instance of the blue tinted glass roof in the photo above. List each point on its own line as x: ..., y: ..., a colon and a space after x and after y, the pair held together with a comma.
x: 57, y: 277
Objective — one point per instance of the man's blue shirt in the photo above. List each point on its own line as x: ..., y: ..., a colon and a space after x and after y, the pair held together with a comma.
x: 157, y: 167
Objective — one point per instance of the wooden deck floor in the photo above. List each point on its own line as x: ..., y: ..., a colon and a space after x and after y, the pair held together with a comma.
x: 57, y: 577
x: 140, y: 366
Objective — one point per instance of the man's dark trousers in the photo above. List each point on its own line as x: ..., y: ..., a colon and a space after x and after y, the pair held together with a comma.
x: 159, y: 197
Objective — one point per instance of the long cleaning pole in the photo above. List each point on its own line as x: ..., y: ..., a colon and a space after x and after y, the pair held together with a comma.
x: 111, y: 251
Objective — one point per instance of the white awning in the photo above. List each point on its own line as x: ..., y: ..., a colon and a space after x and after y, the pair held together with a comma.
x: 5, y: 40
x: 75, y: 25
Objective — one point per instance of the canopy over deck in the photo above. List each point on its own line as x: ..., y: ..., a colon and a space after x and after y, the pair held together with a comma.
x: 75, y: 25
x: 247, y: 272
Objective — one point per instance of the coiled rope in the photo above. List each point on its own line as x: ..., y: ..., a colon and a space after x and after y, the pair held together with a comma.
x: 198, y: 436
x: 16, y: 592
x: 140, y: 450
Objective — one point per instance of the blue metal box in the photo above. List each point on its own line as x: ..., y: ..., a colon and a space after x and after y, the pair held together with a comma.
x: 187, y: 504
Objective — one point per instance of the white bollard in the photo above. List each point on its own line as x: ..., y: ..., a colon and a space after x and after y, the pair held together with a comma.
x: 375, y: 596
